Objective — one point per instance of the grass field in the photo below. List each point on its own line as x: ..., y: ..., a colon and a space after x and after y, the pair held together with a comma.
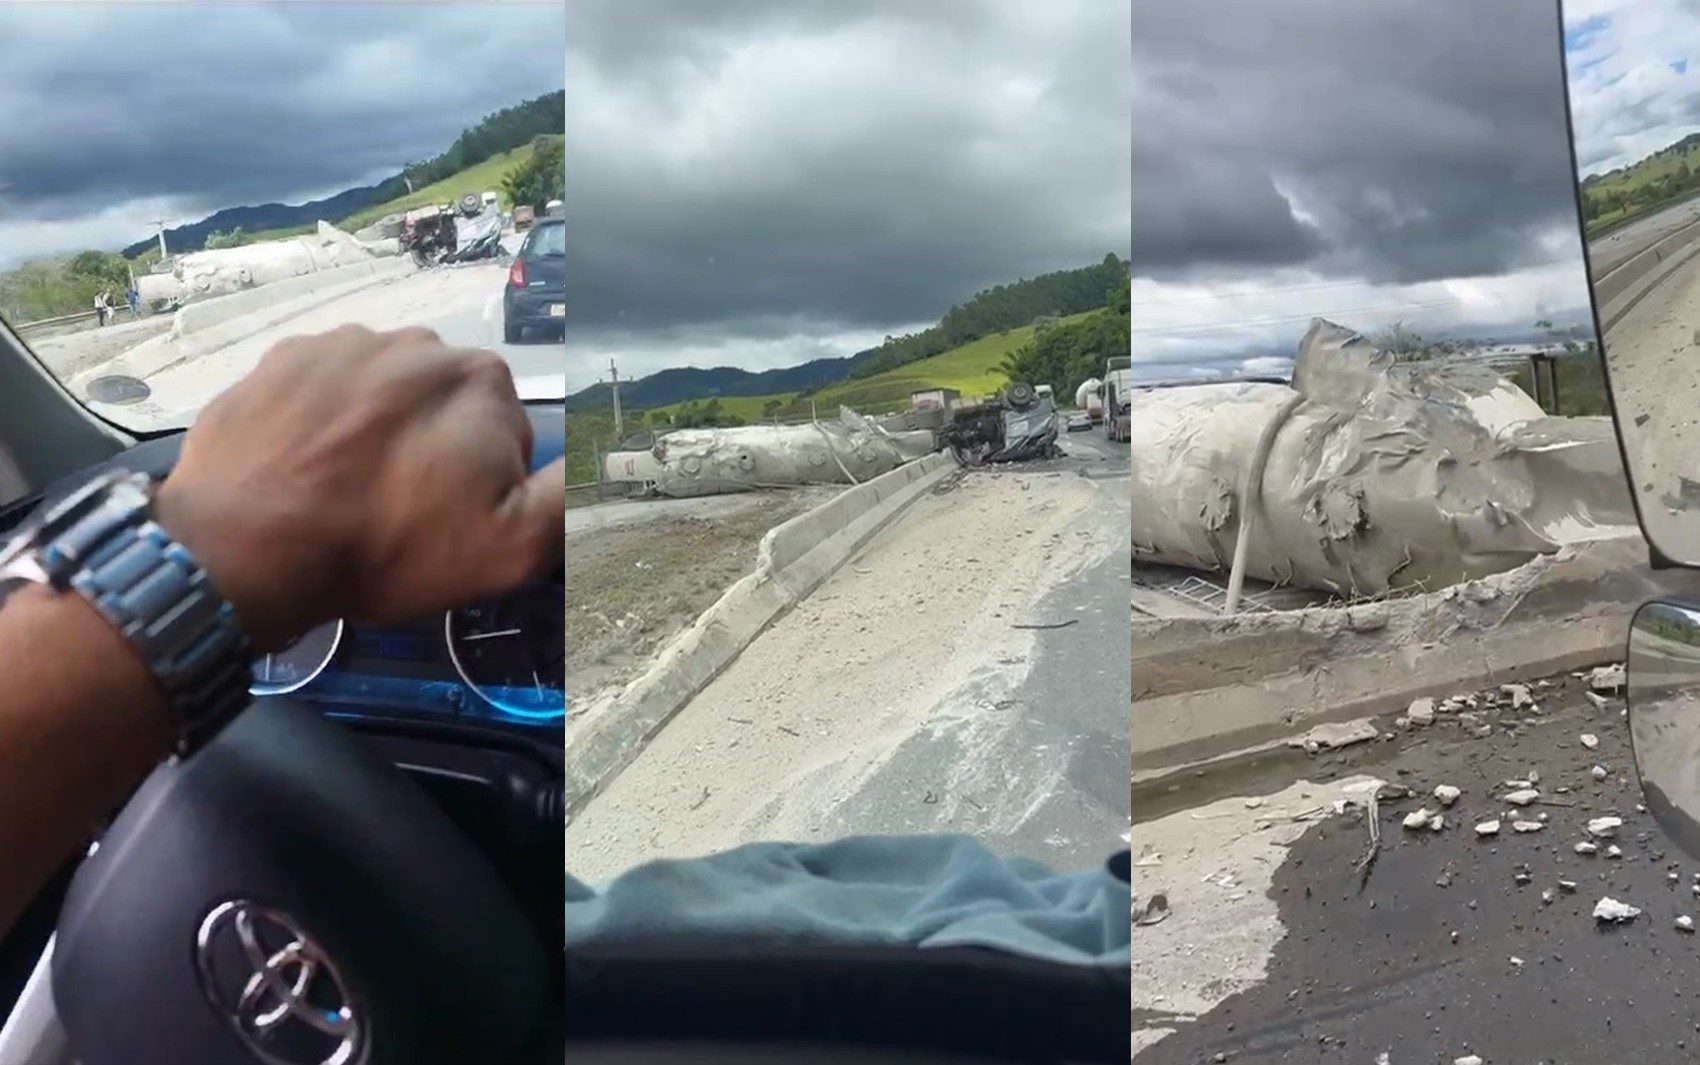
x: 971, y: 369
x: 485, y: 176
x: 1654, y: 168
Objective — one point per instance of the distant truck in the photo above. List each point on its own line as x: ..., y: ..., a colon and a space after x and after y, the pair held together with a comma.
x: 934, y: 399
x: 1118, y: 398
x: 1089, y: 397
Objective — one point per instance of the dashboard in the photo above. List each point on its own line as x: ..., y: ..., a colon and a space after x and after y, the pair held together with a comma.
x: 493, y: 665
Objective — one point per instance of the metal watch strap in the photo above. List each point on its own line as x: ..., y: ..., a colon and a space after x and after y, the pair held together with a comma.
x: 102, y: 542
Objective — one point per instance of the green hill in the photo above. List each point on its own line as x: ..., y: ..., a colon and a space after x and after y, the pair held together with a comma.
x: 1620, y: 196
x: 478, y: 178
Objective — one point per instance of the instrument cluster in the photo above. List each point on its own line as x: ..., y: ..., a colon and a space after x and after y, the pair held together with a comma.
x: 501, y: 661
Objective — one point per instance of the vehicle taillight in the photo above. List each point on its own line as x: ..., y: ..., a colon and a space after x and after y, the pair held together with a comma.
x: 516, y: 274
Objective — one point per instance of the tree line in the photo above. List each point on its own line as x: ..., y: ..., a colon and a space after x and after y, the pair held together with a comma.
x: 997, y: 310
x: 1064, y: 354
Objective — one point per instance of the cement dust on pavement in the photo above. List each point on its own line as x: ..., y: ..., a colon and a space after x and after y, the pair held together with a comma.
x: 814, y: 706
x: 635, y: 584
x: 1451, y: 943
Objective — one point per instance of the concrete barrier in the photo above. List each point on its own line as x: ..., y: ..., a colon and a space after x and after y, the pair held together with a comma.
x: 213, y: 331
x: 792, y: 561
x: 1205, y: 689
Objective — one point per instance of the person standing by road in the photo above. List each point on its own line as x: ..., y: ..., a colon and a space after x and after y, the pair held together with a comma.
x: 134, y: 299
x: 100, y: 308
x: 396, y: 483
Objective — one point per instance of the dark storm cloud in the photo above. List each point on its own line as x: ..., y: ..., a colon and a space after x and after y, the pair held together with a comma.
x: 1426, y: 137
x: 226, y: 104
x: 835, y: 166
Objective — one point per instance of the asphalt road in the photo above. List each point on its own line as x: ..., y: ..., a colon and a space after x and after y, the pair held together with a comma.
x: 1610, y: 251
x: 965, y: 672
x: 1446, y: 950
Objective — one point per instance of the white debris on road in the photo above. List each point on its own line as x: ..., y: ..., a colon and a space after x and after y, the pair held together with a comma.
x: 1585, y: 847
x: 1329, y: 737
x: 1590, y: 741
x: 1599, y: 772
x: 1610, y: 911
x: 1604, y: 827
x: 1421, y: 711
x: 1522, y: 797
x: 1446, y: 794
x: 1488, y: 828
x: 1685, y: 923
x: 1527, y: 826
x: 1606, y: 678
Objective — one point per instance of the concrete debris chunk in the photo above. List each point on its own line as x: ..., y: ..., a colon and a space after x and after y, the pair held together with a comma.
x: 1585, y: 847
x: 1590, y: 741
x: 1599, y: 772
x: 1421, y: 711
x: 1597, y: 699
x: 1488, y: 828
x: 1567, y: 886
x: 1423, y: 818
x: 1519, y: 694
x: 1527, y: 826
x: 1468, y: 1059
x: 1614, y: 851
x: 1534, y: 777
x: 1604, y: 827
x: 1328, y: 737
x: 1522, y: 797
x: 1606, y: 678
x: 1685, y: 923
x: 1610, y: 911
x: 1547, y: 896
x: 1446, y: 794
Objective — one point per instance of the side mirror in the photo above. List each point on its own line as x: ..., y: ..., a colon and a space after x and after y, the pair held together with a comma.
x: 1637, y: 179
x: 1663, y: 692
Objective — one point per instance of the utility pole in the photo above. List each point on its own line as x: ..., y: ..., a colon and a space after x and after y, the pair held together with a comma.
x: 163, y: 254
x: 619, y: 417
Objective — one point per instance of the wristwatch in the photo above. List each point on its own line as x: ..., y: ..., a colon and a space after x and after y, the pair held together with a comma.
x: 103, y: 543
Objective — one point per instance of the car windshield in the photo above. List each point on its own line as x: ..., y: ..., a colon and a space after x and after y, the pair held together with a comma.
x: 550, y: 240
x: 254, y: 180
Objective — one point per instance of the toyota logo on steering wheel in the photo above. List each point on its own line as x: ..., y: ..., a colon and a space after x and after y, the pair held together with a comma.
x: 276, y: 987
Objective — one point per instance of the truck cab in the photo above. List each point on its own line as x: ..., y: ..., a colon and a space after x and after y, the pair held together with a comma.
x: 1118, y: 398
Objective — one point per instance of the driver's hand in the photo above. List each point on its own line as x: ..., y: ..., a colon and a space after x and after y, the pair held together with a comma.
x: 374, y: 476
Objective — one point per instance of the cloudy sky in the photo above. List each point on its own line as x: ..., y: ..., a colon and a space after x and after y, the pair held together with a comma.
x: 1370, y: 162
x: 756, y: 183
x: 117, y: 114
x: 1635, y: 77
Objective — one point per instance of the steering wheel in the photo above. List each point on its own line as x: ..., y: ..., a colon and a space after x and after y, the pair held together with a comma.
x: 287, y: 896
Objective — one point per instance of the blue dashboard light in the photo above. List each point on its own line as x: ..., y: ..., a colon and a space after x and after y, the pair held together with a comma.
x: 528, y: 704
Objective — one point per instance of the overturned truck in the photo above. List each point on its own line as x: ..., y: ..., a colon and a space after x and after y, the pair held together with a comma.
x: 1365, y: 475
x: 1017, y: 425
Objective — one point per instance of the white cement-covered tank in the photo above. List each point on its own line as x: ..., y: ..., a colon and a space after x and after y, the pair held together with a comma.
x: 696, y: 462
x: 203, y: 274
x: 1378, y: 476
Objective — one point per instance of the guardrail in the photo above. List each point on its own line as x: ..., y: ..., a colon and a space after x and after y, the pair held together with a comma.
x: 51, y: 323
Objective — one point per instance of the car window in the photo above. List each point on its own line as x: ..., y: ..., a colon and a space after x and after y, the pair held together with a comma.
x: 269, y: 183
x: 547, y: 242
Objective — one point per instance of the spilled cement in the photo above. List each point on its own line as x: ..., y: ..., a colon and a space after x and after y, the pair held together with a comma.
x: 1366, y: 475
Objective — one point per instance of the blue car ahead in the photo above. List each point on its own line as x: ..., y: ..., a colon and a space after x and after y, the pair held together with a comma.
x: 535, y: 298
